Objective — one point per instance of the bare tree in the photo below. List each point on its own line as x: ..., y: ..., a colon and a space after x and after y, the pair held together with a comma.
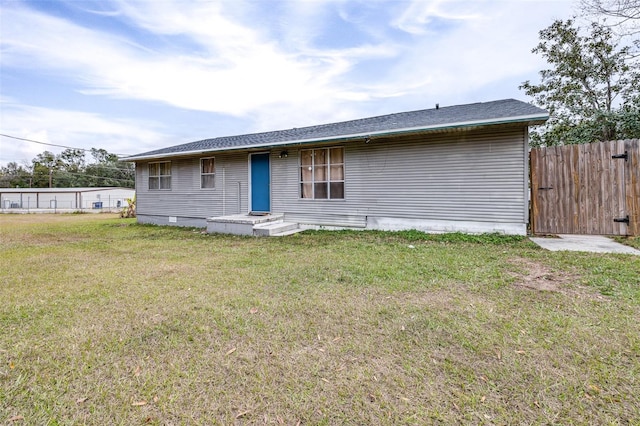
x: 625, y: 9
x: 625, y: 13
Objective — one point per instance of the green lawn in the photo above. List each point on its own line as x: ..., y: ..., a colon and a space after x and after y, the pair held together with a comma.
x: 103, y: 321
x: 630, y: 241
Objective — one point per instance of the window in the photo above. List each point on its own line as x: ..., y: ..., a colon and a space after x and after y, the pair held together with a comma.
x: 207, y: 173
x: 160, y: 175
x: 322, y: 173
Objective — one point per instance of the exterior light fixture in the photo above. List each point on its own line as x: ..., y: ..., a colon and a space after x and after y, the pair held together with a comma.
x: 284, y: 154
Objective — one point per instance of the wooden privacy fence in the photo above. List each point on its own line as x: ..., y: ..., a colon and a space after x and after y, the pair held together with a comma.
x: 586, y: 189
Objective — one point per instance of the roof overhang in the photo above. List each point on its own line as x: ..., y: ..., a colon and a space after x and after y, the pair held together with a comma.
x: 529, y: 120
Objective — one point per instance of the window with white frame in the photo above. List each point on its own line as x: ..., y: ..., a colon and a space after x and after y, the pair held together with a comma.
x: 207, y: 173
x: 322, y: 173
x: 160, y: 175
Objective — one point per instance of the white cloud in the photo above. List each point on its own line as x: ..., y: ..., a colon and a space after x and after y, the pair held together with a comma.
x: 265, y: 66
x: 489, y: 42
x: 232, y: 71
x: 420, y: 14
x: 72, y: 128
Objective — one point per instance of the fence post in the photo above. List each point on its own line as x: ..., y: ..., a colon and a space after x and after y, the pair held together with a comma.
x: 533, y: 205
x: 632, y: 185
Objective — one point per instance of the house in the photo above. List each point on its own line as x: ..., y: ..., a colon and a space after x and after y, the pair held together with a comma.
x: 458, y: 168
x: 64, y: 199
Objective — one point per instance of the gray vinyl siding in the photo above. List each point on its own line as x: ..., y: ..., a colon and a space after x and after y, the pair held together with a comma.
x: 478, y: 176
x: 464, y: 176
x: 186, y: 199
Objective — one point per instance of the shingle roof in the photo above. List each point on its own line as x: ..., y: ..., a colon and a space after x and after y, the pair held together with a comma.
x: 459, y: 116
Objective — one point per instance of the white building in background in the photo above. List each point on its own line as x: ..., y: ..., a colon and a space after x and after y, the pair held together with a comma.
x: 113, y: 198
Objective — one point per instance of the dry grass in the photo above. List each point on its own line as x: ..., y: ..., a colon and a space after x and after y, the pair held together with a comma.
x: 108, y: 322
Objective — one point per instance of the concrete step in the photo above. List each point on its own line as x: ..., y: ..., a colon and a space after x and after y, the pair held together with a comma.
x: 289, y: 232
x: 248, y: 218
x: 274, y: 228
x: 240, y: 224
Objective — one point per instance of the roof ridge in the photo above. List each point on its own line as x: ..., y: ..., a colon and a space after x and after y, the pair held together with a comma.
x: 358, y: 119
x: 431, y: 119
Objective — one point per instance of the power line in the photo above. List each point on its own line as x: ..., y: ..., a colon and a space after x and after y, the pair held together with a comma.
x: 60, y: 174
x: 43, y: 143
x: 63, y: 172
x: 101, y: 166
x: 49, y: 144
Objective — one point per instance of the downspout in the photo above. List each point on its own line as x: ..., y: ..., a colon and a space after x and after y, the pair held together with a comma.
x: 528, y: 200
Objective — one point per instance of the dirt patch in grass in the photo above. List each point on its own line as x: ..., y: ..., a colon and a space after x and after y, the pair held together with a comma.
x: 535, y: 275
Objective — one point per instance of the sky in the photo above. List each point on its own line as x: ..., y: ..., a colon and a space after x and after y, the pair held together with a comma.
x: 132, y: 76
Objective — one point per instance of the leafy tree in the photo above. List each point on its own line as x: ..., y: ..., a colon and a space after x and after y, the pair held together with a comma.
x: 70, y: 169
x: 622, y: 16
x: 591, y: 89
x: 14, y: 175
x: 42, y: 168
x: 103, y: 156
x: 107, y: 170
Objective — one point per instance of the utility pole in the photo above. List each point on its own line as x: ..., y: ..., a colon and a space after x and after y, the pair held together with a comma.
x: 50, y: 178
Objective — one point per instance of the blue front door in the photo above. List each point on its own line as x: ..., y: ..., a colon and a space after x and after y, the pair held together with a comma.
x: 260, y: 183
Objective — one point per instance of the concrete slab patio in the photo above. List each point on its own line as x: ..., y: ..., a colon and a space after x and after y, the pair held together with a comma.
x: 588, y: 243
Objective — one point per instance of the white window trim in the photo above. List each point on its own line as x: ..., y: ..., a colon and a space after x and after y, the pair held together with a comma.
x: 159, y: 176
x: 208, y: 174
x: 328, y: 199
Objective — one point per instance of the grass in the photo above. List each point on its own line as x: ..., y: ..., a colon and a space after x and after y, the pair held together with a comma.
x: 104, y: 321
x: 630, y: 241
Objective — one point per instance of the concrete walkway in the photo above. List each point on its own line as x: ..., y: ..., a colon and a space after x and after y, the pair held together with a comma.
x: 590, y: 243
